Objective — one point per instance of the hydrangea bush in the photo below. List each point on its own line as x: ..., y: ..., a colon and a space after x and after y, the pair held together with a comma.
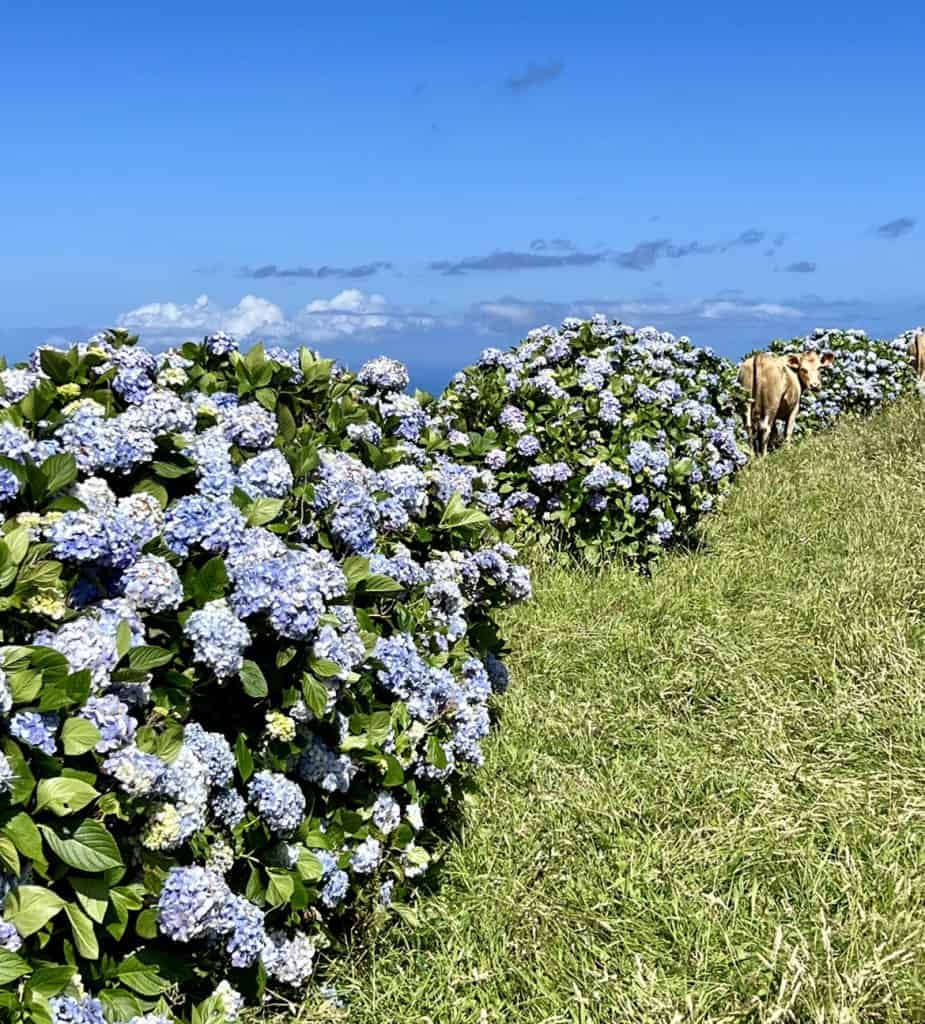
x: 866, y: 374
x: 598, y: 436
x: 247, y: 654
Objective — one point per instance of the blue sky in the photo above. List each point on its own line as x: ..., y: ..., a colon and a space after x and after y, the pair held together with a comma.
x: 427, y: 179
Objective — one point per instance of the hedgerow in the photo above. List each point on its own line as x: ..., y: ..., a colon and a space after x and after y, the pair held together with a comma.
x: 248, y: 653
x: 601, y: 438
x: 867, y: 373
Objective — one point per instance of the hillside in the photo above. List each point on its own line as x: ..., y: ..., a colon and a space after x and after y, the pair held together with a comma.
x: 706, y: 799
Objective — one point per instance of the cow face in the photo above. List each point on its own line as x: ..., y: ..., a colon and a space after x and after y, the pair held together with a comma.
x: 807, y: 367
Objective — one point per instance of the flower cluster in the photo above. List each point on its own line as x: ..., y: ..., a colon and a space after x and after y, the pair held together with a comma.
x: 601, y: 436
x: 865, y: 375
x: 249, y: 650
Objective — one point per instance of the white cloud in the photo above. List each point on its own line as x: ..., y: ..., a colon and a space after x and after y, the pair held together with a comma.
x: 350, y: 314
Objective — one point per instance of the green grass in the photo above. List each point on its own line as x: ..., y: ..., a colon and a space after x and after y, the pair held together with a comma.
x: 705, y: 800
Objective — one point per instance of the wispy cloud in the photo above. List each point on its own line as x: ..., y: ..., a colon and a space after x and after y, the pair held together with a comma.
x: 316, y: 273
x: 535, y: 75
x: 502, y: 259
x: 349, y: 315
x: 545, y: 254
x: 800, y: 267
x: 896, y: 228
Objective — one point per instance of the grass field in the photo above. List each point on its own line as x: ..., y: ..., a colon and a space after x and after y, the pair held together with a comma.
x: 705, y: 800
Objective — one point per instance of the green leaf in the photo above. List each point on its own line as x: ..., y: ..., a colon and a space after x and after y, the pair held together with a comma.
x: 253, y: 680
x: 309, y: 867
x: 435, y: 752
x: 280, y: 887
x: 17, y: 543
x: 51, y: 981
x: 12, y: 967
x: 210, y: 581
x: 263, y: 510
x: 287, y: 424
x: 79, y: 736
x: 9, y: 855
x: 145, y: 658
x: 170, y: 470
x: 140, y: 973
x: 243, y: 757
x: 394, y: 773
x: 60, y: 471
x: 64, y: 796
x: 27, y: 838
x: 89, y: 848
x: 30, y: 907
x: 267, y: 398
x: 378, y: 584
x: 92, y: 895
x: 123, y: 638
x: 23, y: 780
x: 316, y: 696
x: 146, y: 924
x: 326, y: 669
x: 82, y: 930
x: 355, y: 568
x: 456, y: 514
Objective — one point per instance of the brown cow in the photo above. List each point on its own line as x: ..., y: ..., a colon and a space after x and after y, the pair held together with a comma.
x: 775, y: 385
x: 916, y: 349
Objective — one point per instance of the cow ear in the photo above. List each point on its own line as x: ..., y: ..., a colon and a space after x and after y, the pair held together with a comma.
x: 827, y: 358
x: 793, y: 361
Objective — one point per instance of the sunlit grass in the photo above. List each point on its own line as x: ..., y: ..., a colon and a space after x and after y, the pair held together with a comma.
x: 706, y: 798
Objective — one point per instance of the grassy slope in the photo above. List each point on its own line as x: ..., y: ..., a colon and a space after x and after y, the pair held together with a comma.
x: 706, y: 798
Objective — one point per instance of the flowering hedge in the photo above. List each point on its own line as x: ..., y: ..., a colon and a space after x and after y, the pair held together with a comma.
x: 866, y: 374
x: 247, y: 652
x: 601, y: 436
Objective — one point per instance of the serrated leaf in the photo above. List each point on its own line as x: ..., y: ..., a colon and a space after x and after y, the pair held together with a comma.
x: 64, y: 796
x: 92, y: 895
x: 89, y: 848
x: 170, y: 470
x: 123, y: 638
x: 355, y: 568
x: 60, y: 471
x: 9, y: 855
x: 253, y: 680
x: 82, y: 930
x: 316, y: 696
x: 143, y: 978
x: 143, y: 659
x: 21, y: 829
x: 12, y: 967
x: 263, y: 510
x: 280, y: 887
x: 78, y: 736
x: 51, y: 981
x: 243, y: 758
x: 17, y: 543
x: 376, y: 583
x: 30, y: 907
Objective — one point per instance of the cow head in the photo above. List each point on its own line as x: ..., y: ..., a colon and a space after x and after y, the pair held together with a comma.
x: 807, y: 365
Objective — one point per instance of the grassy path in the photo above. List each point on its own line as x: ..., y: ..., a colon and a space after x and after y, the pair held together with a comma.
x: 706, y: 798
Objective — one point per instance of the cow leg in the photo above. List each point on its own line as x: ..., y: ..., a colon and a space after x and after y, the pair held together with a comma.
x: 763, y: 434
x: 791, y: 423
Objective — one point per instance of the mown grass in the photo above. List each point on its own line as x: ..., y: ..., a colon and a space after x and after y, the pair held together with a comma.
x: 706, y: 797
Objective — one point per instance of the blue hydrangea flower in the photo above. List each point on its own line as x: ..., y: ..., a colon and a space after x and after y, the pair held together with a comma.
x: 219, y: 638
x: 111, y: 717
x: 279, y: 801
x: 37, y: 730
